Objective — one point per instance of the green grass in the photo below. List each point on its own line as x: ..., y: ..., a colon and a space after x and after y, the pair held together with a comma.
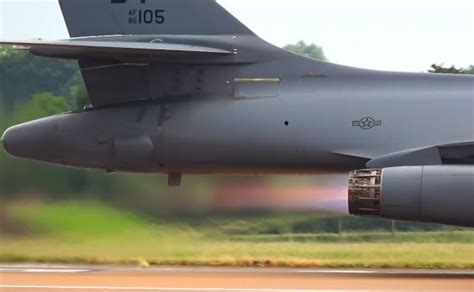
x: 72, y: 232
x: 74, y: 219
x: 372, y: 237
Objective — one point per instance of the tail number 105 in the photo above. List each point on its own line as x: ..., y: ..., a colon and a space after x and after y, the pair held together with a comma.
x: 147, y: 16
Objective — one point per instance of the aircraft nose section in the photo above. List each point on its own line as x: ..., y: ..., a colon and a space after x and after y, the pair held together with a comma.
x: 4, y: 138
x: 33, y: 140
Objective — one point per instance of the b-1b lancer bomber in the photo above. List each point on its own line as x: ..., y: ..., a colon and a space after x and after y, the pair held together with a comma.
x: 182, y: 87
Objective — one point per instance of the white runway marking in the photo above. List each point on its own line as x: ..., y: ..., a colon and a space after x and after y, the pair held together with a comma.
x: 337, y: 271
x: 391, y: 272
x: 158, y: 289
x: 42, y: 270
x: 73, y: 270
x: 318, y: 271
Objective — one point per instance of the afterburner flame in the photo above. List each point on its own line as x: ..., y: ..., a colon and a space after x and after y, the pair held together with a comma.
x: 326, y: 194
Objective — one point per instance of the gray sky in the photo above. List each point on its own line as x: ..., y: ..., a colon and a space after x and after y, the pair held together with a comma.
x: 401, y: 35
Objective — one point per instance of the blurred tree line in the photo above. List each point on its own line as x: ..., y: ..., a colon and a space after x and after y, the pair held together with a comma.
x: 435, y: 68
x: 32, y: 87
x: 308, y: 50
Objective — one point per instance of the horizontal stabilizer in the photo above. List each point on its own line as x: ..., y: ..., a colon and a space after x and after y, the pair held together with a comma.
x: 116, y: 50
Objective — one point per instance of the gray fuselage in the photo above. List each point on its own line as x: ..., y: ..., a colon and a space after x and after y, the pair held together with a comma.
x: 307, y: 123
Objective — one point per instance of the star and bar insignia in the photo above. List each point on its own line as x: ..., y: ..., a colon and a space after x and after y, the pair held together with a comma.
x: 367, y: 123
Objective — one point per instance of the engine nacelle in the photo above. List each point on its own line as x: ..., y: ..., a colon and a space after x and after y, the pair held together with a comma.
x: 437, y: 194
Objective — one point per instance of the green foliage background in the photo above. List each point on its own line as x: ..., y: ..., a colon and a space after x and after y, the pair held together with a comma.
x: 308, y: 50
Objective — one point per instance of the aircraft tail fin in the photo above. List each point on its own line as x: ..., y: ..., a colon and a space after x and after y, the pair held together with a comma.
x: 149, y: 17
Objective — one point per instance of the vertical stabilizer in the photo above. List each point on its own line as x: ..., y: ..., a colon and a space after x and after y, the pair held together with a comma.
x: 149, y: 17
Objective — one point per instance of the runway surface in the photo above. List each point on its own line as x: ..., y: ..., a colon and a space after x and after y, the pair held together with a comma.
x: 20, y: 278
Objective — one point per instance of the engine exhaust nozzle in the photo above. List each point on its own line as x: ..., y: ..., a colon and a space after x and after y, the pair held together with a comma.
x: 365, y: 188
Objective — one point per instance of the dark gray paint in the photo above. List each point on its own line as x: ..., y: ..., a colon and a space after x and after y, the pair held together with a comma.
x: 202, y: 135
x: 429, y: 193
x: 258, y: 110
x: 183, y: 17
